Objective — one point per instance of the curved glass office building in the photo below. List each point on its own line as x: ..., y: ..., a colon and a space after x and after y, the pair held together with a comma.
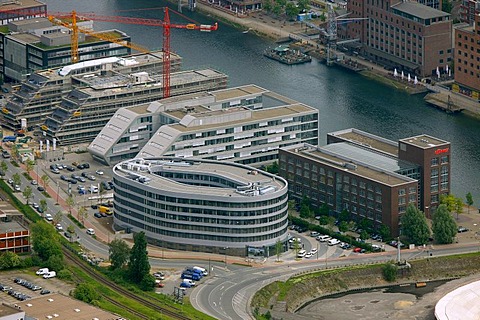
x: 202, y: 205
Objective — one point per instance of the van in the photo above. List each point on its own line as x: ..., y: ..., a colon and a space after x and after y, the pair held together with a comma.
x: 93, y: 189
x: 42, y: 271
x: 190, y: 281
x: 323, y: 238
x: 195, y: 271
x: 51, y: 274
x: 192, y: 276
x: 106, y: 210
x: 333, y: 242
x: 202, y: 270
x: 301, y: 253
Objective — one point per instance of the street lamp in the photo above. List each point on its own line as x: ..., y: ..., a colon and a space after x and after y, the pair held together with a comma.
x: 58, y: 191
x: 317, y: 249
x: 225, y: 251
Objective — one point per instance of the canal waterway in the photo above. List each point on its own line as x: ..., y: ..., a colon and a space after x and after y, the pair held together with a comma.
x: 344, y: 99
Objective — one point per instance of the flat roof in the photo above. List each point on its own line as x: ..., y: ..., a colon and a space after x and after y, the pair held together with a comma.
x: 240, y: 174
x: 6, y: 310
x: 419, y: 10
x: 29, y: 21
x: 20, y: 4
x: 61, y: 307
x: 10, y: 226
x: 256, y: 116
x: 327, y: 157
x: 424, y: 141
x: 25, y: 37
x: 231, y: 93
x: 460, y: 304
x: 368, y: 140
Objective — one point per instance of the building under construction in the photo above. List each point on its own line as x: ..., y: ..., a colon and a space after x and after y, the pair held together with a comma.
x: 42, y: 93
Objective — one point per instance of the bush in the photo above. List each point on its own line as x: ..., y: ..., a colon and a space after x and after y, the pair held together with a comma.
x: 86, y: 292
x: 147, y: 283
x: 389, y: 272
x: 64, y: 275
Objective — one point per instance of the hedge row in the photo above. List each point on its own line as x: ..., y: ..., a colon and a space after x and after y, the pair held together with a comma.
x: 27, y: 210
x: 342, y: 237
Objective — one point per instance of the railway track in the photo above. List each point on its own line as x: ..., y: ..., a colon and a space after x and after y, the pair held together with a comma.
x: 110, y: 284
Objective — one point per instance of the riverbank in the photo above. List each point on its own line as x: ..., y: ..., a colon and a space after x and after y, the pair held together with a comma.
x: 285, y: 299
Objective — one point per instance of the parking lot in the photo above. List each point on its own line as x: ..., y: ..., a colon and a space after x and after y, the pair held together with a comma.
x: 7, y: 281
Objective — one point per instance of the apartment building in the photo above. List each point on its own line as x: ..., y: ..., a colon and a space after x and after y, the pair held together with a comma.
x: 246, y: 124
x: 408, y: 36
x: 201, y: 205
x: 43, y: 91
x: 467, y: 59
x: 371, y: 177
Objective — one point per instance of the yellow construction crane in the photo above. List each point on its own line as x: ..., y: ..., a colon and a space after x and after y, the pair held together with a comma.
x: 103, y: 36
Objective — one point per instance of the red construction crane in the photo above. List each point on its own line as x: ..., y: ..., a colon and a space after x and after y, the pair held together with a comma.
x: 165, y: 24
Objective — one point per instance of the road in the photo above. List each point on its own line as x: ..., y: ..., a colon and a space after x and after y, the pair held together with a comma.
x: 228, y: 295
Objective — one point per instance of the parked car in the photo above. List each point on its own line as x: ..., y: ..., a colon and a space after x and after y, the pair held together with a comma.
x: 44, y: 291
x: 314, y: 234
x: 97, y: 215
x: 48, y: 217
x: 345, y: 246
x: 359, y: 250
x: 99, y: 172
x: 51, y: 274
x: 5, y: 154
x: 41, y: 271
x: 323, y: 238
x: 35, y: 205
x: 333, y: 242
x: 56, y: 171
x: 63, y: 177
x: 40, y: 188
x: 185, y: 285
x: 59, y: 227
x: 16, y: 188
x: 34, y: 182
x: 90, y: 231
x: 70, y: 168
x: 462, y: 229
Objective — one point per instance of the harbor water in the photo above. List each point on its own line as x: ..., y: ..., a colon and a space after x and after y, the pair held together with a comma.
x: 344, y: 99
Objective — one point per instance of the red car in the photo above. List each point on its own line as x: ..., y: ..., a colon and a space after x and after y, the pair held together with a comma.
x: 359, y: 250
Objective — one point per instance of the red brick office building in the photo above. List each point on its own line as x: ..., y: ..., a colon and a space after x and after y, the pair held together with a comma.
x: 408, y: 36
x: 467, y: 57
x: 369, y: 176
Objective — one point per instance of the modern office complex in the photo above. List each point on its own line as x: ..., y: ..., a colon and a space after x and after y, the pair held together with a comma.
x: 371, y: 177
x: 201, y: 205
x: 37, y: 44
x: 244, y: 124
x: 84, y: 112
x: 42, y: 93
x: 467, y: 62
x: 406, y: 35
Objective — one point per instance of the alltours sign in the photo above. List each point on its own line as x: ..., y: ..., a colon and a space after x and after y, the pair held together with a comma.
x: 440, y: 151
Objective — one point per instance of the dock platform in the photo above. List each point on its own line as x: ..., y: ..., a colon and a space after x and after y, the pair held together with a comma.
x: 443, y: 102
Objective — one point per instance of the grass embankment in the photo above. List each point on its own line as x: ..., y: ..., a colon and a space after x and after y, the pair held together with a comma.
x: 303, y: 288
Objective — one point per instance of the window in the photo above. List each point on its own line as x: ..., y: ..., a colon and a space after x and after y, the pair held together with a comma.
x: 444, y: 159
x: 434, y: 162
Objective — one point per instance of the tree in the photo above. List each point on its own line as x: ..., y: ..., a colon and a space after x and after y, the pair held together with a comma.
x: 415, y: 226
x: 365, y: 224
x: 291, y: 10
x: 330, y: 223
x: 267, y: 6
x: 43, y: 205
x: 364, y: 235
x: 4, y: 167
x: 70, y: 203
x: 71, y: 231
x: 384, y: 232
x: 277, y: 9
x: 138, y: 265
x: 343, y: 226
x: 29, y: 166
x: 443, y: 225
x: 43, y: 239
x: 469, y: 201
x: 27, y: 193
x: 447, y: 6
x: 278, y: 249
x: 296, y: 246
x: 9, y: 260
x: 86, y: 292
x: 282, y: 3
x: 82, y: 213
x: 55, y: 262
x: 323, y: 210
x: 17, y: 180
x: 272, y: 168
x: 57, y: 217
x: 305, y: 212
x: 147, y: 283
x: 45, y: 180
x: 389, y: 272
x: 303, y: 5
x: 118, y: 253
x: 344, y: 215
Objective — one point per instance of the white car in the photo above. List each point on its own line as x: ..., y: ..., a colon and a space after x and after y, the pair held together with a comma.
x: 59, y: 227
x: 308, y: 255
x: 323, y: 238
x: 34, y: 182
x: 313, y: 251
x: 90, y: 231
x: 48, y: 216
x: 99, y: 172
x: 333, y: 242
